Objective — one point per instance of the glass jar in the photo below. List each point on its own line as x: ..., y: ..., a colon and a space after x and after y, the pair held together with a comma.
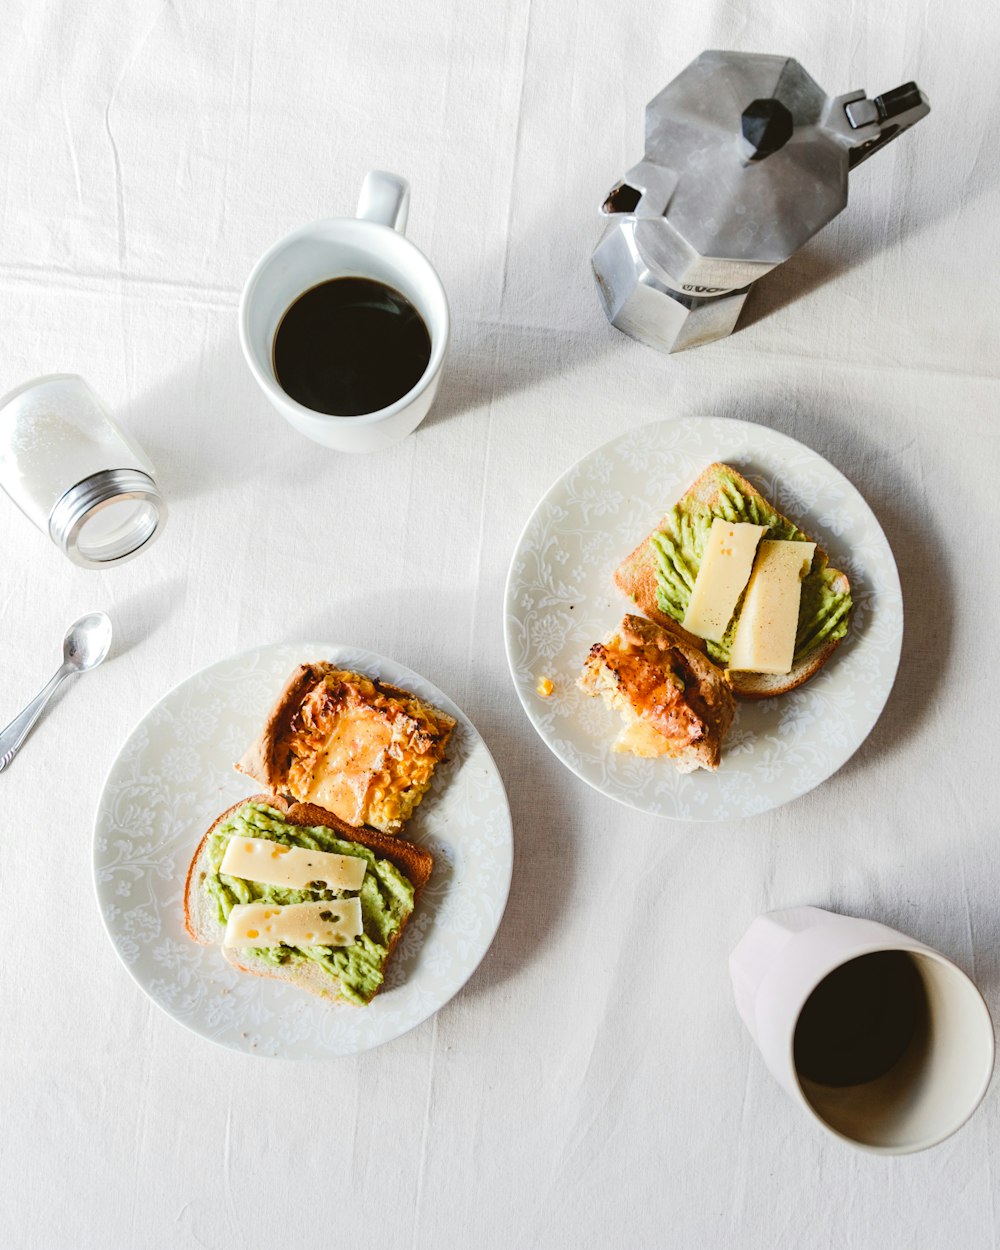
x: 75, y: 473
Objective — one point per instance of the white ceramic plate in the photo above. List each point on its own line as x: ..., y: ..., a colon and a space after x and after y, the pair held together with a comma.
x: 175, y: 774
x: 560, y: 600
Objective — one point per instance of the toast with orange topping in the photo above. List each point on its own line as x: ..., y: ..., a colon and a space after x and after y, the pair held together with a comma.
x: 674, y: 701
x: 356, y: 746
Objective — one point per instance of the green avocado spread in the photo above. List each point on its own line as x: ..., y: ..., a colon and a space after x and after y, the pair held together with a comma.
x: 678, y: 545
x: 386, y: 898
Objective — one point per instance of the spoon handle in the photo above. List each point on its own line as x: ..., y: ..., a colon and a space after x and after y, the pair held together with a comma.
x: 14, y: 735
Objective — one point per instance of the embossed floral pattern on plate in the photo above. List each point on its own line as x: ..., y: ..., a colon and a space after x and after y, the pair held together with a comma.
x: 561, y: 599
x: 174, y: 775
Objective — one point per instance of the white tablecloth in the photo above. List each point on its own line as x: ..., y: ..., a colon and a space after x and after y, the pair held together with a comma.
x: 592, y: 1085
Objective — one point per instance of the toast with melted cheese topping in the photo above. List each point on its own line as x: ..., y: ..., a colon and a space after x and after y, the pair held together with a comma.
x: 355, y: 746
x: 674, y: 701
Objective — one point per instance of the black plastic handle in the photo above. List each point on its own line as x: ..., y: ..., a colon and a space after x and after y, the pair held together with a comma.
x: 906, y: 103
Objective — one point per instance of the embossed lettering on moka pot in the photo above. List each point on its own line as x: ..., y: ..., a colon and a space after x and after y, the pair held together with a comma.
x: 746, y: 159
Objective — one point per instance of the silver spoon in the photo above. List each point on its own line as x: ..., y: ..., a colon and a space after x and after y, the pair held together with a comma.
x: 86, y: 644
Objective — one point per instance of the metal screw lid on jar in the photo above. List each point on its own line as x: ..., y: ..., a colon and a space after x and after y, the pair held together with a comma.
x: 107, y: 518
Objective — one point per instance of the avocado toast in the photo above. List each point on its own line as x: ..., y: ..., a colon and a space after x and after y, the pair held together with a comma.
x: 660, y: 574
x: 395, y: 873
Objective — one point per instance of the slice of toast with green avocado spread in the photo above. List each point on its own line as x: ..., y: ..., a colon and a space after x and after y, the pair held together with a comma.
x: 397, y: 873
x: 659, y: 577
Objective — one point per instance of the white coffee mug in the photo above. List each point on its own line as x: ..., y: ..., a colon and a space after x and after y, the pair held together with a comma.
x: 939, y: 1079
x: 371, y: 245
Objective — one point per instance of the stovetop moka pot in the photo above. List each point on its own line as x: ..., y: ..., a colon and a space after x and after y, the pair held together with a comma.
x: 746, y: 159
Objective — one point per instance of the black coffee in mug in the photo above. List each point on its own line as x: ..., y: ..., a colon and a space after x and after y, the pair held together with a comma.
x: 860, y: 1020
x: 350, y: 346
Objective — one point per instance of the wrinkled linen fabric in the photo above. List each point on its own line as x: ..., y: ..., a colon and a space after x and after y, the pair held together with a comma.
x: 592, y: 1085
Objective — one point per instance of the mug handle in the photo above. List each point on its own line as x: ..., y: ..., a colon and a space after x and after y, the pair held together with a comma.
x: 385, y: 200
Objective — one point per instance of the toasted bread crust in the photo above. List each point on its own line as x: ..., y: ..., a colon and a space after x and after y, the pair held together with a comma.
x: 636, y: 578
x: 259, y: 760
x: 413, y: 861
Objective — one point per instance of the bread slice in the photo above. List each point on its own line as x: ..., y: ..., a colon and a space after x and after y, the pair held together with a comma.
x: 358, y: 747
x: 201, y: 917
x: 711, y: 495
x: 673, y: 699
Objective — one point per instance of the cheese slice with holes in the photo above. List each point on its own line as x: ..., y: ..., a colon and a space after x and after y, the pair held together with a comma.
x: 295, y: 867
x: 333, y: 923
x: 725, y: 568
x: 765, y: 633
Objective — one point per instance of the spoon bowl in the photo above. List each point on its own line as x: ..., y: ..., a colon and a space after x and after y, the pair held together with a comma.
x: 87, y: 642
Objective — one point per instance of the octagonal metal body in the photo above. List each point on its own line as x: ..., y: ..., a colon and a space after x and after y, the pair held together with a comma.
x: 726, y: 190
x: 637, y: 301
